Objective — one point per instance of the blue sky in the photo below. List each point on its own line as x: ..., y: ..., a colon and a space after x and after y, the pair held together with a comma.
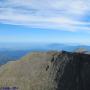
x: 45, y: 21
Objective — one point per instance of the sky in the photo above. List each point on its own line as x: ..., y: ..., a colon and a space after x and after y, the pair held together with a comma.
x: 45, y: 21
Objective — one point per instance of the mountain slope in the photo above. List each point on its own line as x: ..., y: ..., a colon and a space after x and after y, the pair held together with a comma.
x: 48, y: 71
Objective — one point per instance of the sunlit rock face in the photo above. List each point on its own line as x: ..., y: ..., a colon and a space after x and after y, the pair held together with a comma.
x: 48, y: 71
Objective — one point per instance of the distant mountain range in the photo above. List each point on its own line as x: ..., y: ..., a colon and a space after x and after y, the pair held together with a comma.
x: 14, y: 52
x: 42, y: 47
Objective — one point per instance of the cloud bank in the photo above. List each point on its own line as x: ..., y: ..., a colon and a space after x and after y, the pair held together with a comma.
x: 70, y: 15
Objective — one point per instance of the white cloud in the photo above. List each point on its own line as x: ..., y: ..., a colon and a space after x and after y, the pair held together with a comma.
x: 54, y: 14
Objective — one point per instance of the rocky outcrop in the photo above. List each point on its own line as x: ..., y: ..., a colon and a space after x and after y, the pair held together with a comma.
x: 48, y: 71
x: 76, y: 72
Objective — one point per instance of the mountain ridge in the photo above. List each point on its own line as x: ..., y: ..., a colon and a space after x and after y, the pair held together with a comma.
x: 48, y: 71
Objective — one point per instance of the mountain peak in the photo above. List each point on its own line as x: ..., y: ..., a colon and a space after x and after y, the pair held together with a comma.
x: 48, y: 71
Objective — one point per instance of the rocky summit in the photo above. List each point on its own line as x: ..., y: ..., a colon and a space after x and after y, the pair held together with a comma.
x: 48, y: 71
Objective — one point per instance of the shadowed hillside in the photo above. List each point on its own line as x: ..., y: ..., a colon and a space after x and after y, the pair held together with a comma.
x: 48, y: 71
